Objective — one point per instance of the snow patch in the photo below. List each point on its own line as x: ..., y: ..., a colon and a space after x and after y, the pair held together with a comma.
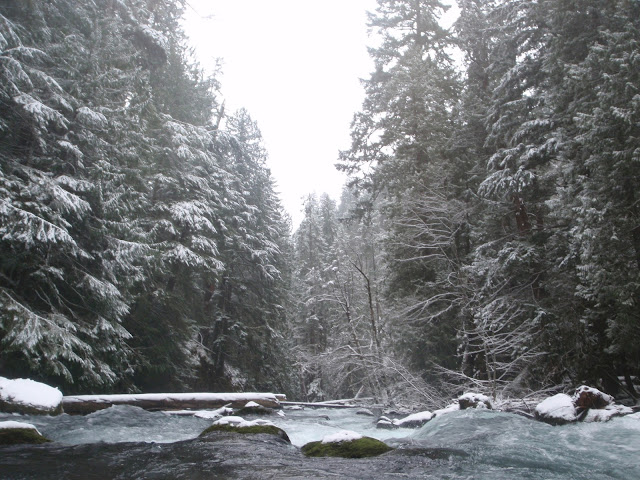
x: 207, y: 414
x: 204, y: 396
x: 91, y: 118
x: 558, y: 407
x: 475, y: 400
x: 414, y: 418
x: 252, y: 404
x: 607, y: 413
x: 22, y: 425
x: 240, y: 422
x: 29, y: 393
x: 454, y: 407
x: 342, y: 436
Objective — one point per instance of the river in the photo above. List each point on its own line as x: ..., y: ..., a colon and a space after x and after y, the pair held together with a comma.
x: 130, y: 443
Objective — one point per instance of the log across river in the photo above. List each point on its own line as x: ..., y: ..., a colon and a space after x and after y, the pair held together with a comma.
x: 85, y: 404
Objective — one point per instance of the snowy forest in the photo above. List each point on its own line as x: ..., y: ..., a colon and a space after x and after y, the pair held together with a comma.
x: 488, y: 236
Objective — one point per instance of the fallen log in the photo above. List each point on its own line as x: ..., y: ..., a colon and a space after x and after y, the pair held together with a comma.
x: 346, y: 400
x: 84, y: 404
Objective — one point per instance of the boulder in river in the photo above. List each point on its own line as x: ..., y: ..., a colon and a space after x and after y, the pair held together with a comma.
x: 14, y: 433
x: 589, y: 397
x: 28, y: 397
x: 386, y: 423
x: 588, y: 404
x: 239, y: 425
x: 415, y: 420
x: 346, y: 444
x: 253, y: 408
x: 556, y: 410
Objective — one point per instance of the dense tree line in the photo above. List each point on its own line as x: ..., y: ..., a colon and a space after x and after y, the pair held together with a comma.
x: 489, y: 236
x: 142, y: 245
x: 500, y: 198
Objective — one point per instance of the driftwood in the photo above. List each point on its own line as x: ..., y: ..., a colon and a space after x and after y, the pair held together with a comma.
x: 84, y: 404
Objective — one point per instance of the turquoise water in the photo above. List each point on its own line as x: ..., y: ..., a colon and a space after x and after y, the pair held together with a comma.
x: 130, y: 443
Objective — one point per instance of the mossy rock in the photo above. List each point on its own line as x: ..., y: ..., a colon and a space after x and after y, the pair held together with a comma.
x: 16, y: 436
x: 252, y: 430
x: 360, y: 448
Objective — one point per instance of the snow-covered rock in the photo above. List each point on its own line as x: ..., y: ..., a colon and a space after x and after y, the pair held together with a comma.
x: 607, y: 413
x: 474, y: 400
x: 386, y: 423
x: 29, y: 397
x: 556, y: 410
x: 341, y: 436
x: 415, y: 420
x: 365, y: 411
x: 453, y: 407
x: 238, y: 425
x: 13, y: 433
x: 241, y: 422
x: 589, y: 397
x: 209, y: 414
x: 12, y: 424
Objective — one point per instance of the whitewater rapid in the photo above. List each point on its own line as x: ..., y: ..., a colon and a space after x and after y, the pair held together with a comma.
x: 130, y: 443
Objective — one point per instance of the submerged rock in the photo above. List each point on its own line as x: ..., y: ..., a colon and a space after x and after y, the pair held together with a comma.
x: 357, y: 448
x: 15, y: 433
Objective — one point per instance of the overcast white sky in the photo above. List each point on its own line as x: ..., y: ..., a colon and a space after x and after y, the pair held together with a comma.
x: 295, y: 66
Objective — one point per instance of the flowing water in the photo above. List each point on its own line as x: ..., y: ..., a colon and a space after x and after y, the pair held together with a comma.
x: 130, y: 443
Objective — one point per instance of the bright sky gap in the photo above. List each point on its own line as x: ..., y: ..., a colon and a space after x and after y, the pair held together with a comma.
x: 296, y: 67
